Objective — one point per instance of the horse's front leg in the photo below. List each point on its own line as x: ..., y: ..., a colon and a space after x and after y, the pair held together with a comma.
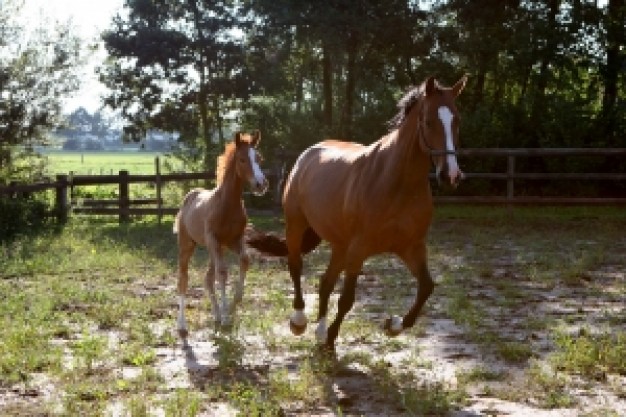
x: 415, y: 260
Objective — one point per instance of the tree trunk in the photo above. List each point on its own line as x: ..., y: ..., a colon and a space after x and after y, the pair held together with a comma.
x: 348, y: 107
x: 546, y: 57
x: 614, y: 40
x: 327, y: 80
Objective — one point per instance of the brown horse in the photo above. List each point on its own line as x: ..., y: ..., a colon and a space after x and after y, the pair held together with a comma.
x: 367, y: 200
x: 217, y: 219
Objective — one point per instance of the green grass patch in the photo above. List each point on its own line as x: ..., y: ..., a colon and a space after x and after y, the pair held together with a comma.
x: 592, y: 355
x: 104, y: 162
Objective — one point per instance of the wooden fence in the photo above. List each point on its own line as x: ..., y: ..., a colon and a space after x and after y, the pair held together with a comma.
x: 124, y: 207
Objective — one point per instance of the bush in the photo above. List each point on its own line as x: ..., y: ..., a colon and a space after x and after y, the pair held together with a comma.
x: 20, y: 216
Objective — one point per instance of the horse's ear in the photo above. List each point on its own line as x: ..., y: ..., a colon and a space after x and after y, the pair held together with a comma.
x: 256, y: 138
x: 458, y: 87
x: 238, y: 140
x: 431, y: 86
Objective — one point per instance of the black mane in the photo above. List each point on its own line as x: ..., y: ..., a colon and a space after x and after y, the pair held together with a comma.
x: 405, y: 105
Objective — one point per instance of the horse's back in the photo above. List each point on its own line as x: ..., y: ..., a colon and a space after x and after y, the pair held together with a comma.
x: 336, y: 188
x: 192, y: 214
x: 318, y: 184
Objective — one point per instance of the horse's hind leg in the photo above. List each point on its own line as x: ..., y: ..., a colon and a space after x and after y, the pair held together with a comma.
x: 327, y: 284
x: 415, y: 260
x: 353, y: 264
x: 186, y: 247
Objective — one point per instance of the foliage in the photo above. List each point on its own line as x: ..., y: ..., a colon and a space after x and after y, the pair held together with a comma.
x: 37, y: 70
x: 177, y: 67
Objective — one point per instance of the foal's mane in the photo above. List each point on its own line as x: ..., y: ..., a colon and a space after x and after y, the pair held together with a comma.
x: 224, y: 161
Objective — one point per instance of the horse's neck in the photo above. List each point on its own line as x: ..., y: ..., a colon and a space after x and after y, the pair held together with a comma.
x: 409, y: 165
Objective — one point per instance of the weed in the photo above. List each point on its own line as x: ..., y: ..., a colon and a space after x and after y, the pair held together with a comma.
x: 88, y: 350
x: 480, y: 373
x: 183, y: 403
x: 590, y: 355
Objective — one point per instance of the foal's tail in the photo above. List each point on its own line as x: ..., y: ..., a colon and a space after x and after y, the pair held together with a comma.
x: 189, y: 197
x: 274, y: 245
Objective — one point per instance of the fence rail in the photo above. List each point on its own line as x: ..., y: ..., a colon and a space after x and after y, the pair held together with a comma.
x: 124, y: 207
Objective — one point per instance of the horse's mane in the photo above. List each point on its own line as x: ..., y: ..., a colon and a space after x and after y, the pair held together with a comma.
x: 224, y: 161
x: 406, y: 104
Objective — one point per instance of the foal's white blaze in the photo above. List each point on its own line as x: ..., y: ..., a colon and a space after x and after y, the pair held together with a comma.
x: 446, y: 116
x: 256, y: 169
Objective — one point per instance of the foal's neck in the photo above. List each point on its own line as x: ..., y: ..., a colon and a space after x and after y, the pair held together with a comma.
x: 231, y: 187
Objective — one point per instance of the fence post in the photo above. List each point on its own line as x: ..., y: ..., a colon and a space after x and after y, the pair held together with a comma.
x: 157, y: 168
x: 510, y: 171
x: 124, y: 200
x: 60, y: 202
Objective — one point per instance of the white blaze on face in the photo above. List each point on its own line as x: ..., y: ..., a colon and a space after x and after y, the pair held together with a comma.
x: 256, y: 169
x: 445, y: 115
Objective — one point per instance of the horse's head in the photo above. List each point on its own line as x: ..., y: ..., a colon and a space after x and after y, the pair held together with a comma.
x: 439, y: 128
x: 247, y: 161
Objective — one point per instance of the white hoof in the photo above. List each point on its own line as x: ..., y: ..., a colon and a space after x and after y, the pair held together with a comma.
x: 393, y: 326
x: 321, y: 333
x: 297, y: 322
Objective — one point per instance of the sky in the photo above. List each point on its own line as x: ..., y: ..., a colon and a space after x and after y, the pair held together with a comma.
x: 88, y: 18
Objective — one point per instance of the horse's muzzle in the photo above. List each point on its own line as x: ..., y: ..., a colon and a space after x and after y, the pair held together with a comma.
x: 451, y: 178
x: 259, y: 187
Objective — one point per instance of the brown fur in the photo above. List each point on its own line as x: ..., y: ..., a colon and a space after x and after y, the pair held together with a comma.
x: 366, y: 200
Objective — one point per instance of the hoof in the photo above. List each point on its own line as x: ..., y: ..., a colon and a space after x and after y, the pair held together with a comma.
x: 183, y: 333
x: 297, y: 330
x: 391, y: 328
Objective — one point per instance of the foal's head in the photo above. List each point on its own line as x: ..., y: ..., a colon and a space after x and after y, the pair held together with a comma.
x: 438, y: 128
x: 247, y: 159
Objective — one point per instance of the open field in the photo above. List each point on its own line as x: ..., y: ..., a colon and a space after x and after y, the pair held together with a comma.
x: 527, y: 318
x: 102, y: 162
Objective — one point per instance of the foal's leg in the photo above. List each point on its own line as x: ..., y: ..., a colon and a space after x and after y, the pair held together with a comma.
x: 244, y: 264
x: 216, y: 268
x: 186, y: 247
x: 415, y: 259
x: 327, y: 284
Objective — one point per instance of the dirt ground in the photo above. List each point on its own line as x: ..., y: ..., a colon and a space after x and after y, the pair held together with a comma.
x: 485, y: 344
x: 442, y: 347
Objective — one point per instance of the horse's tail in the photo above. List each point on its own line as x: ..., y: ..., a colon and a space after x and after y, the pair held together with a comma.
x: 274, y: 245
x: 188, y: 198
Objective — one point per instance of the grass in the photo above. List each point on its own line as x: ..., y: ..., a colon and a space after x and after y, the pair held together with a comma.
x: 89, y: 310
x: 103, y: 162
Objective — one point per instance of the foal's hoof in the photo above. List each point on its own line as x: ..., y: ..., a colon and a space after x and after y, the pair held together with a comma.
x: 296, y: 329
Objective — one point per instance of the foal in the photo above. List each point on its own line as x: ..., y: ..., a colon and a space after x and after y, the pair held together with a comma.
x: 217, y: 219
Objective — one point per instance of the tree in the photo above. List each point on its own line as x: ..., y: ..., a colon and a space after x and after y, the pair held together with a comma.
x: 176, y: 66
x: 37, y: 70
